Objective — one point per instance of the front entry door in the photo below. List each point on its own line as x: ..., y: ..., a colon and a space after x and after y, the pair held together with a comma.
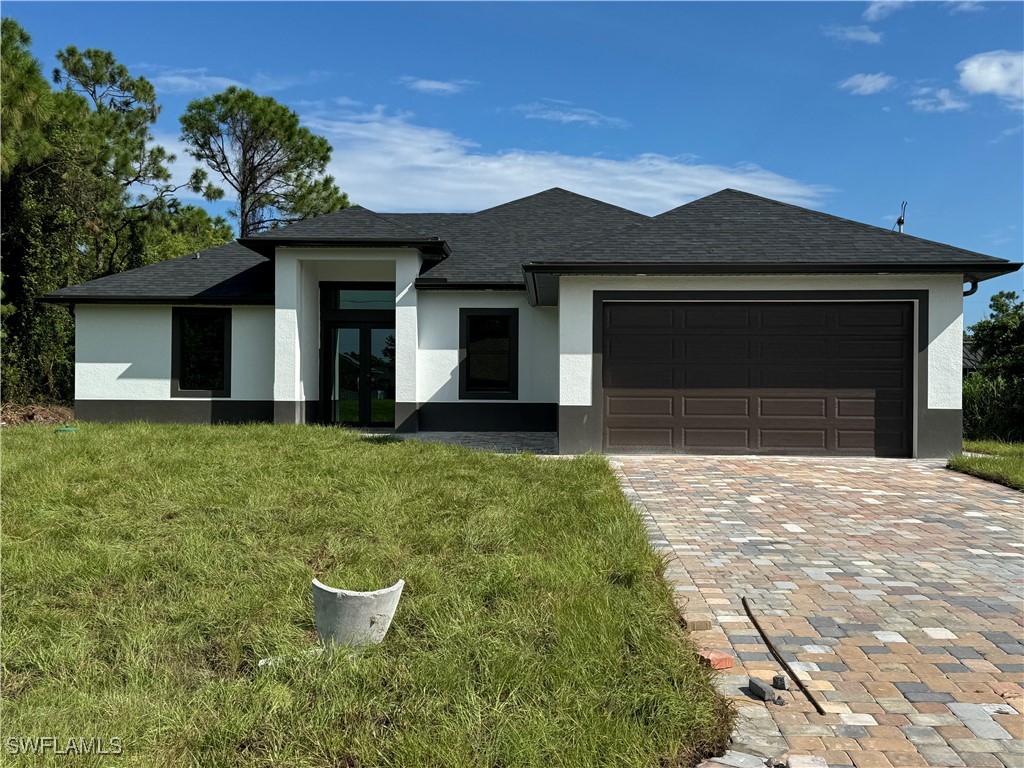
x: 359, y: 374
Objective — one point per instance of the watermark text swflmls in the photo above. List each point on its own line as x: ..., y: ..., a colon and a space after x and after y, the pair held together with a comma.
x: 53, y: 745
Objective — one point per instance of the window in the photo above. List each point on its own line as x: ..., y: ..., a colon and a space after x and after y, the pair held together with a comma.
x: 201, y: 352
x: 358, y: 296
x: 489, y: 354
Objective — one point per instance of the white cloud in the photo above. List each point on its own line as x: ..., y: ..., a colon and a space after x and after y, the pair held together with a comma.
x: 198, y: 80
x: 1000, y: 73
x: 388, y: 163
x: 436, y: 87
x: 937, y: 100
x: 859, y: 34
x: 880, y: 9
x: 964, y: 6
x: 563, y: 112
x: 866, y: 85
x: 1007, y: 133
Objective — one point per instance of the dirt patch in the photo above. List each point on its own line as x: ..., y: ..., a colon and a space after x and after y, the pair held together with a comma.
x: 13, y: 415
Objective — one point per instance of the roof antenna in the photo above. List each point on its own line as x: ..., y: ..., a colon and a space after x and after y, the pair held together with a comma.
x: 903, y: 214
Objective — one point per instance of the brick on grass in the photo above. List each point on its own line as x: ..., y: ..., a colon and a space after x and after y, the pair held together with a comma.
x: 717, y: 659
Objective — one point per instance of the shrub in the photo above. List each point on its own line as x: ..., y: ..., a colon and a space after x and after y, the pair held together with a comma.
x: 993, y: 407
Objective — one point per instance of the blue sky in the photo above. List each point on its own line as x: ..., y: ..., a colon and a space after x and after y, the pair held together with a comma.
x: 847, y: 108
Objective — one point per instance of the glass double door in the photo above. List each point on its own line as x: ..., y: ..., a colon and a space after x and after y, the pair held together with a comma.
x: 359, y: 366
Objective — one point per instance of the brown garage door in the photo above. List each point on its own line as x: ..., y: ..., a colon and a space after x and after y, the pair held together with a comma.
x: 769, y: 378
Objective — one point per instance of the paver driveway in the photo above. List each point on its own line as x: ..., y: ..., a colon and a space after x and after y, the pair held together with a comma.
x: 893, y: 587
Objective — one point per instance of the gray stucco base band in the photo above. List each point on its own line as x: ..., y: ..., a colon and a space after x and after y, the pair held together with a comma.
x: 579, y: 429
x: 175, y: 411
x: 940, y: 433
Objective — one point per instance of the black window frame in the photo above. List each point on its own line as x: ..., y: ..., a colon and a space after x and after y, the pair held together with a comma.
x: 465, y: 393
x: 177, y: 313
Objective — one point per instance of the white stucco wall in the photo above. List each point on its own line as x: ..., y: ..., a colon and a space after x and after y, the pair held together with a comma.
x: 298, y: 273
x: 124, y: 353
x: 945, y: 320
x: 438, y: 364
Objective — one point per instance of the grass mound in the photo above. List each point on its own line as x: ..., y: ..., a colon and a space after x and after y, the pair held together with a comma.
x: 147, y: 568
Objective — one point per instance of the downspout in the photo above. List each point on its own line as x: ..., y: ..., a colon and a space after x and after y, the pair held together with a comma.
x: 974, y: 287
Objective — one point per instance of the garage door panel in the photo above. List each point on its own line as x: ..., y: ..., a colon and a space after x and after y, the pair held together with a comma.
x: 795, y: 376
x: 880, y: 318
x: 872, y: 349
x: 877, y: 378
x: 855, y: 406
x: 711, y: 437
x: 714, y: 316
x: 656, y: 405
x: 855, y: 439
x: 638, y: 316
x: 640, y: 377
x: 704, y: 405
x: 717, y: 348
x: 723, y: 375
x: 788, y: 406
x: 813, y: 378
x: 637, y: 438
x: 789, y: 316
x: 804, y: 439
x: 642, y: 347
x: 793, y: 348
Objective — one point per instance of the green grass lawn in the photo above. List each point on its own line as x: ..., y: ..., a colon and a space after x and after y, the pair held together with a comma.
x: 1003, y: 464
x: 147, y: 568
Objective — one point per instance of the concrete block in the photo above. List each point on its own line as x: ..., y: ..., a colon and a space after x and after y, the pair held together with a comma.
x: 780, y: 682
x: 346, y: 617
x: 761, y: 690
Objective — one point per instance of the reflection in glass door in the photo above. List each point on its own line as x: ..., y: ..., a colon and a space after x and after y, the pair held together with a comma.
x: 345, y: 349
x: 382, y: 376
x: 360, y: 364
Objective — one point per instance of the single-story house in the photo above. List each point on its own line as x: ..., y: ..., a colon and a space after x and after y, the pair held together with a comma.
x: 731, y: 324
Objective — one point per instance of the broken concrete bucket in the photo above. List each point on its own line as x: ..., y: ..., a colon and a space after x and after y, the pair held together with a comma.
x: 344, y: 617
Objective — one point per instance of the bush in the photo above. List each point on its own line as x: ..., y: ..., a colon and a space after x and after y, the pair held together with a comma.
x: 993, y: 407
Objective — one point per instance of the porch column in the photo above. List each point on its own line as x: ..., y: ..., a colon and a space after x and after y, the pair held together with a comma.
x: 288, y: 399
x: 407, y: 268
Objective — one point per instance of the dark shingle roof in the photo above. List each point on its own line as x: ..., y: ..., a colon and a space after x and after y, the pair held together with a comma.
x: 739, y: 228
x: 551, y: 231
x: 492, y: 245
x: 353, y: 223
x: 226, y: 274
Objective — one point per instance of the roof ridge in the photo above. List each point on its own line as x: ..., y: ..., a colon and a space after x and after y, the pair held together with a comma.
x: 382, y: 217
x: 558, y: 189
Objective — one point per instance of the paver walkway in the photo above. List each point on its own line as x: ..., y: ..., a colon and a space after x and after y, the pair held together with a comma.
x: 893, y: 587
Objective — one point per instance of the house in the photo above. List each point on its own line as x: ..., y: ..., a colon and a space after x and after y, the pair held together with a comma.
x: 732, y: 324
x: 972, y: 360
